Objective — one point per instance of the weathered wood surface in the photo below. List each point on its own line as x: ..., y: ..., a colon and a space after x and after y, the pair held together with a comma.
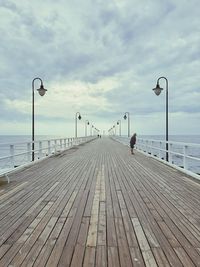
x: 98, y: 205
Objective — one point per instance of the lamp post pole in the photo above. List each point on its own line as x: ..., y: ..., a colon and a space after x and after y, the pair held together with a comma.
x: 79, y: 117
x: 114, y: 130
x: 157, y: 91
x: 86, y: 123
x: 92, y: 126
x: 42, y: 92
x: 128, y: 115
x: 119, y: 123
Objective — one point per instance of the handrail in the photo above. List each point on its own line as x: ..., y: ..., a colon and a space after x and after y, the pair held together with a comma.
x: 19, y: 153
x: 156, y: 148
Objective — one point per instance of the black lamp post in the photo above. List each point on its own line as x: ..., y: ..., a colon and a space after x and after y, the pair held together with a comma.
x: 78, y: 115
x: 92, y: 126
x: 110, y: 131
x: 125, y: 117
x: 86, y: 124
x: 119, y: 123
x: 42, y: 92
x: 157, y: 91
x: 114, y: 130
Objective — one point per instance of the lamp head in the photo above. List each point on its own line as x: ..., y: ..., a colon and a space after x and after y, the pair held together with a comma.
x: 158, y: 89
x: 79, y: 117
x: 125, y: 117
x: 42, y: 90
x: 88, y: 123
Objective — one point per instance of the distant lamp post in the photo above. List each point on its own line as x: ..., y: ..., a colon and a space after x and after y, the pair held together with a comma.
x: 110, y: 131
x: 114, y: 130
x: 125, y: 117
x: 157, y: 90
x: 77, y: 116
x: 92, y: 126
x: 97, y: 130
x: 42, y: 92
x: 119, y: 123
x: 86, y: 124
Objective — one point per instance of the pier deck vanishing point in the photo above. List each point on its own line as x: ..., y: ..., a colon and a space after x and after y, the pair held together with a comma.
x: 98, y: 205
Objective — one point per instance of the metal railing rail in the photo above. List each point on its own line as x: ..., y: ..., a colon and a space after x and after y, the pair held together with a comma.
x: 180, y: 154
x: 19, y: 153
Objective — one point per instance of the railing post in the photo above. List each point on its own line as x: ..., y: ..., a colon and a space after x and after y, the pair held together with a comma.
x: 40, y: 149
x: 28, y: 151
x: 143, y: 145
x: 140, y: 145
x: 146, y: 146
x: 65, y: 143
x: 12, y: 155
x: 160, y: 147
x: 170, y: 154
x: 185, y: 163
x: 55, y: 144
x: 60, y: 144
x: 49, y: 147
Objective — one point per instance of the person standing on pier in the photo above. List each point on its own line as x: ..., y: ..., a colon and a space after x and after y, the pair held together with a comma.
x: 132, y: 142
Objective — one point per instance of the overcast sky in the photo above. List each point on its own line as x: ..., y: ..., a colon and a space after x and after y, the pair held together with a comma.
x: 102, y: 59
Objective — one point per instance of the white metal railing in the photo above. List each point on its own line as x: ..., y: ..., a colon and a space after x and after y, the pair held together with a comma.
x: 20, y: 153
x: 184, y: 155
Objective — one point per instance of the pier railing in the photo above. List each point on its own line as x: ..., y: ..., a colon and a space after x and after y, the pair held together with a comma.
x: 185, y: 156
x: 20, y: 153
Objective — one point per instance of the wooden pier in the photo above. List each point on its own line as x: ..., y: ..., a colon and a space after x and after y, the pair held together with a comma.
x: 98, y: 205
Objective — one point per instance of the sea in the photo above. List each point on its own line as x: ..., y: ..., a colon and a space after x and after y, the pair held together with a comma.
x: 194, y: 165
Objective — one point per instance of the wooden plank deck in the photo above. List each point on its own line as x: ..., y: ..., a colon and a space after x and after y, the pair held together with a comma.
x: 98, y: 205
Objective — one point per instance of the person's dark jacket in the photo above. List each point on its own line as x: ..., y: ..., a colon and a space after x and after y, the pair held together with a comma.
x: 133, y: 140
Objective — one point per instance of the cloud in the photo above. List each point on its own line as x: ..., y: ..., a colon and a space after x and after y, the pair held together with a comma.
x: 99, y: 58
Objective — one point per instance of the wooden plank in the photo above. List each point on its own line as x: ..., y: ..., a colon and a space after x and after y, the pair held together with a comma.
x: 78, y: 256
x: 136, y: 257
x: 68, y: 249
x: 101, y: 257
x: 101, y: 234
x: 160, y: 257
x: 128, y: 227
x: 144, y: 246
x: 58, y: 248
x: 89, y: 259
x: 16, y: 250
x: 124, y: 252
x: 47, y: 248
x: 186, y: 261
x: 113, y: 257
x: 17, y: 188
x: 170, y: 236
x: 37, y: 247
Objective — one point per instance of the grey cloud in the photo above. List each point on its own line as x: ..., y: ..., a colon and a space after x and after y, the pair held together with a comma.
x: 96, y: 40
x: 8, y: 4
